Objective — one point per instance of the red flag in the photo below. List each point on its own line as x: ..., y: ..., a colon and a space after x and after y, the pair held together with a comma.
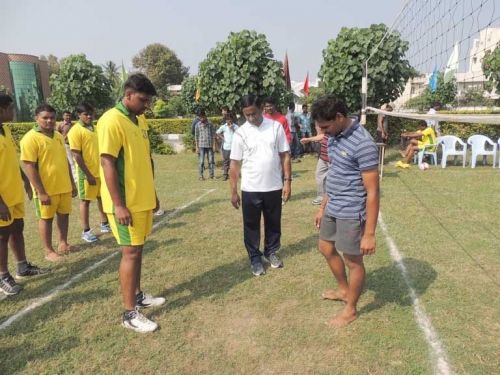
x: 286, y: 73
x: 306, y: 85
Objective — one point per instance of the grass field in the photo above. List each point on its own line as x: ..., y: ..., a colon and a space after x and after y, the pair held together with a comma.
x: 219, y: 319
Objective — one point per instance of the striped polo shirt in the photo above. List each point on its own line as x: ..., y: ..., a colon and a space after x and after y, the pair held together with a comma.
x: 351, y: 152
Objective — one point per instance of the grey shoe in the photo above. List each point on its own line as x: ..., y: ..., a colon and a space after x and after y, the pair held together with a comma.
x: 317, y: 201
x: 31, y: 270
x: 275, y: 261
x: 258, y: 269
x: 9, y: 286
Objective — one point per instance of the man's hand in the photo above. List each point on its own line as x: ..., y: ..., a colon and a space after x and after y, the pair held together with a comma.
x: 304, y: 141
x: 235, y: 200
x: 44, y: 199
x: 91, y: 180
x: 123, y: 215
x: 4, y: 212
x: 287, y: 191
x: 29, y: 190
x: 368, y: 244
x: 318, y: 217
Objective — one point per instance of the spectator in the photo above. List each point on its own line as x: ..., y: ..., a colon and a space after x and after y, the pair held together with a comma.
x: 204, y: 139
x: 64, y: 127
x: 225, y: 135
x: 305, y: 126
x: 270, y: 112
x: 436, y: 106
x: 418, y: 140
x: 383, y: 125
x: 295, y: 144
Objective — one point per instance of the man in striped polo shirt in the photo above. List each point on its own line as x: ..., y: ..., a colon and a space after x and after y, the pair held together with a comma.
x: 347, y: 217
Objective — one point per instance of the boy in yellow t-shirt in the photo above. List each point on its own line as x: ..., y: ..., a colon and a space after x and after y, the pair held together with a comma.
x: 84, y: 146
x: 12, y: 205
x: 44, y: 158
x: 128, y: 192
x: 419, y: 139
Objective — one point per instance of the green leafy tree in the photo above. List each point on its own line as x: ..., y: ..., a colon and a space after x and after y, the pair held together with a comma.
x: 243, y: 64
x: 160, y: 109
x: 188, y: 93
x: 52, y: 62
x: 79, y: 80
x: 344, y: 59
x: 162, y: 66
x: 491, y: 68
x: 445, y: 94
x: 112, y: 73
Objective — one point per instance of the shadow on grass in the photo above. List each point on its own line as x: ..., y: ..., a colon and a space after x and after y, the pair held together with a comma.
x: 308, y: 194
x: 218, y: 281
x: 16, y: 358
x: 390, y: 287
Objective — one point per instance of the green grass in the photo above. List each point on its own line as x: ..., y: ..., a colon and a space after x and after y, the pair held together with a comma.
x: 219, y: 319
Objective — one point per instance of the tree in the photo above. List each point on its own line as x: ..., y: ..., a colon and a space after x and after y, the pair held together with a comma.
x: 188, y: 93
x: 445, y: 94
x: 79, y: 80
x: 52, y: 62
x: 344, y: 59
x: 491, y: 68
x: 112, y: 73
x: 241, y: 65
x: 162, y: 66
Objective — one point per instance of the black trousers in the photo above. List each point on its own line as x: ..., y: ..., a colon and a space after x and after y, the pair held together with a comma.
x: 254, y: 205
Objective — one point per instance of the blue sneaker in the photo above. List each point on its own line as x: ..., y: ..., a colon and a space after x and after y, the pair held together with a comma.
x: 88, y: 236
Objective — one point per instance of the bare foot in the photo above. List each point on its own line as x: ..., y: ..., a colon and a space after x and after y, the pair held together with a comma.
x: 53, y: 257
x: 403, y: 154
x: 334, y: 295
x: 345, y: 317
x: 64, y: 248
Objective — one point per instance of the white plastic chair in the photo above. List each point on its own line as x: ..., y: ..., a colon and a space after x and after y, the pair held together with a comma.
x: 448, y: 145
x: 478, y: 145
x: 427, y: 150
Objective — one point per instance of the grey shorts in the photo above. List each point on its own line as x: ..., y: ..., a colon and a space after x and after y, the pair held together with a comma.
x: 346, y: 233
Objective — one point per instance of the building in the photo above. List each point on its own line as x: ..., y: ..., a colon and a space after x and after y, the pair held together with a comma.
x: 472, y: 79
x: 26, y: 78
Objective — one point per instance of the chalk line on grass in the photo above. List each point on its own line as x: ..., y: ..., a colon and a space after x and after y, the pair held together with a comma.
x: 55, y: 291
x: 438, y: 354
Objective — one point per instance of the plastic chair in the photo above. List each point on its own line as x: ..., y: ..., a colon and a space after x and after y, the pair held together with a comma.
x: 427, y: 150
x: 448, y: 145
x: 478, y: 145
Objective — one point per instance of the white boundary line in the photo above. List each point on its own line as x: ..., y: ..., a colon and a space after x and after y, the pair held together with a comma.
x: 438, y: 354
x: 54, y: 292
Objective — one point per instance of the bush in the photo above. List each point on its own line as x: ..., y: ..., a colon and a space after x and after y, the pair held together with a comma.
x: 160, y: 109
x: 157, y: 145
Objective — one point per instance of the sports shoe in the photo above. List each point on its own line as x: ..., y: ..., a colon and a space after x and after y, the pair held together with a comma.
x: 9, y: 286
x: 317, y: 201
x: 160, y: 212
x: 401, y: 164
x: 88, y: 236
x: 144, y: 300
x: 258, y: 269
x: 105, y: 228
x: 275, y: 261
x: 31, y: 270
x: 134, y: 320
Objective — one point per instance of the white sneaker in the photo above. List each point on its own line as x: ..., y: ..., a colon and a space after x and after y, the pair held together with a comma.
x: 160, y: 212
x: 105, y: 228
x: 138, y: 322
x: 144, y: 300
x: 89, y: 236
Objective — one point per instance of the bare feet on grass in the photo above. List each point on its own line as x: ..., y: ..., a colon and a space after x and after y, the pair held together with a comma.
x: 64, y: 248
x: 334, y: 295
x: 342, y: 319
x: 52, y: 256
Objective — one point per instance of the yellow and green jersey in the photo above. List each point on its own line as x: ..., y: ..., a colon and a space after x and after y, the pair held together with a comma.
x: 11, y: 183
x: 84, y: 139
x: 428, y: 137
x: 128, y: 142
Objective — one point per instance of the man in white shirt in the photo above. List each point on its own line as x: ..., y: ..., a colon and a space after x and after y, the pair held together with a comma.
x: 260, y: 151
x: 436, y: 106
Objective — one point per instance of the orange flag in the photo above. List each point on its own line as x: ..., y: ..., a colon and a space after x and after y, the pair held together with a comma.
x: 306, y: 85
x: 286, y: 73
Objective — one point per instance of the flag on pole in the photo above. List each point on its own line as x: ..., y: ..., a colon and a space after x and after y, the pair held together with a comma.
x: 286, y: 73
x: 306, y: 85
x: 433, y: 80
x: 452, y: 66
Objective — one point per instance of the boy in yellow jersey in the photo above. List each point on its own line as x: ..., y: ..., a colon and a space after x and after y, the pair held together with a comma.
x: 423, y: 136
x: 128, y: 192
x: 45, y: 163
x: 12, y: 205
x: 84, y: 146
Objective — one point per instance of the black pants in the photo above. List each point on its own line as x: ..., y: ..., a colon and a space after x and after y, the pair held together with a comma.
x: 227, y: 160
x: 254, y: 205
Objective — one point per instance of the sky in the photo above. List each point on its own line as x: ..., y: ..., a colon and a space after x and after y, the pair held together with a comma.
x: 117, y: 30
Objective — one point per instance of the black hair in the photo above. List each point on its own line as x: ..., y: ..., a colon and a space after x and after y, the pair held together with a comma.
x: 44, y: 107
x: 304, y: 105
x: 84, y: 107
x: 436, y: 104
x: 140, y: 83
x: 327, y: 107
x: 291, y: 106
x: 270, y: 100
x: 250, y: 100
x: 422, y: 123
x: 201, y: 112
x: 225, y: 108
x: 68, y: 112
x: 5, y: 100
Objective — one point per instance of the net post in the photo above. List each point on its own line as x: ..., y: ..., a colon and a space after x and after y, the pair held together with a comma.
x: 364, y: 93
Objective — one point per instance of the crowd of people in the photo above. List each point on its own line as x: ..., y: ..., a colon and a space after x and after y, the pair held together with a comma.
x: 111, y: 164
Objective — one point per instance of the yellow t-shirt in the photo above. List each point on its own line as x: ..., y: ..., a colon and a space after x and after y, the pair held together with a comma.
x: 428, y: 137
x: 84, y: 139
x: 49, y: 155
x: 119, y: 137
x: 11, y: 183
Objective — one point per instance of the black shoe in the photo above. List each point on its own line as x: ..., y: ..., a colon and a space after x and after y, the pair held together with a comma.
x: 275, y: 261
x: 225, y: 178
x: 258, y: 269
x: 31, y: 270
x: 9, y: 286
